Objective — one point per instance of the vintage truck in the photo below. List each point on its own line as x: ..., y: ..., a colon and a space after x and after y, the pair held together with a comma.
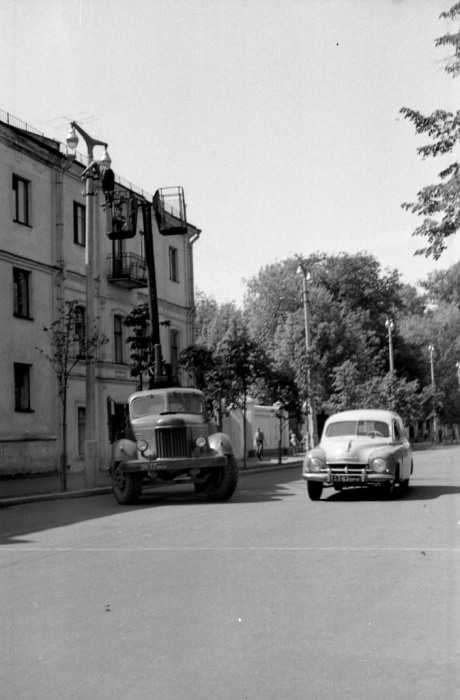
x: 165, y: 436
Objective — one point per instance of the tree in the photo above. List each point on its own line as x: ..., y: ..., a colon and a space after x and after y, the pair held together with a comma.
x: 215, y: 321
x: 439, y: 203
x: 69, y: 347
x: 444, y: 285
x: 140, y: 342
x: 386, y: 392
x: 142, y: 352
x: 245, y: 363
x: 208, y: 374
x: 439, y: 325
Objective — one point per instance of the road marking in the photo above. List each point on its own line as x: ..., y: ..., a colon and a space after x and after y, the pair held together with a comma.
x: 18, y: 548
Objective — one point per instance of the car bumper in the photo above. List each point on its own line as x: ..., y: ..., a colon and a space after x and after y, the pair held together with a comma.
x: 175, y: 464
x: 330, y: 478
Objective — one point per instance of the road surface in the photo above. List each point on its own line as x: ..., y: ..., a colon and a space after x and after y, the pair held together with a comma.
x: 265, y: 597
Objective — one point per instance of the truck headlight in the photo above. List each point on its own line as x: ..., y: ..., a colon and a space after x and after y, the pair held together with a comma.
x: 142, y: 446
x: 379, y: 465
x: 314, y: 464
x: 200, y: 442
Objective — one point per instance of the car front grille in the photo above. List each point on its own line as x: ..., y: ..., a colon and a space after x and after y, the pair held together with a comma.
x: 346, y: 468
x: 171, y: 442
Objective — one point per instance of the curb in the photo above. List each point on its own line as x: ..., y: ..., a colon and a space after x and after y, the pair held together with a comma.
x: 54, y: 496
x: 102, y: 490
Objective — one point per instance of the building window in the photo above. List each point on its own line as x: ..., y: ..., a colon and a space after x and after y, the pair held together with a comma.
x: 21, y: 387
x: 80, y: 331
x: 141, y: 245
x: 79, y: 224
x: 173, y: 274
x: 21, y: 303
x: 174, y: 344
x: 81, y: 430
x: 118, y: 339
x: 21, y: 189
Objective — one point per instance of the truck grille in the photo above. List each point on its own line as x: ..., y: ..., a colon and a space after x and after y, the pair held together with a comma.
x: 171, y: 442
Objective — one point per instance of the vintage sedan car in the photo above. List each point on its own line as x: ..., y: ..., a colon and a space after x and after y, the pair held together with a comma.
x: 360, y: 448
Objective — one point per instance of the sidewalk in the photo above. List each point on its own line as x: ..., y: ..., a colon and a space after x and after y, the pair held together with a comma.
x: 47, y: 487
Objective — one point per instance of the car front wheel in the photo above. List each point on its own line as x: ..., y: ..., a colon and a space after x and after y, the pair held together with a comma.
x: 404, y: 487
x: 315, y: 489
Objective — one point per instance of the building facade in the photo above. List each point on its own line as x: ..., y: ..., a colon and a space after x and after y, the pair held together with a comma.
x: 43, y: 265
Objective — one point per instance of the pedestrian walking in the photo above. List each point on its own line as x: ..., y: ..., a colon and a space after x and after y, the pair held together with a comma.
x: 259, y: 441
x: 293, y: 441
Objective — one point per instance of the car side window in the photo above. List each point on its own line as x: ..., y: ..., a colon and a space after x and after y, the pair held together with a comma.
x: 397, y: 430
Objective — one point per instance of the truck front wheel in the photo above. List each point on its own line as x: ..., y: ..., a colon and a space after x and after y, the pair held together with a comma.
x: 126, y: 487
x: 222, y: 482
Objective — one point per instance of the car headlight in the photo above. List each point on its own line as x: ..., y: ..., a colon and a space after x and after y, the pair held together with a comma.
x: 200, y: 442
x: 314, y: 464
x: 142, y: 446
x: 379, y: 465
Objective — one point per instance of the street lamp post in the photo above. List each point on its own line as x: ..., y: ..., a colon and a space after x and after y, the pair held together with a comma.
x: 312, y: 431
x: 433, y: 386
x: 389, y: 324
x: 91, y: 442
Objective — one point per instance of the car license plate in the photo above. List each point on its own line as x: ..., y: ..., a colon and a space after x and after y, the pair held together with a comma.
x: 344, y: 477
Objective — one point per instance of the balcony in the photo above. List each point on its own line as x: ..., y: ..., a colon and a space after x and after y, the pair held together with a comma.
x: 127, y: 270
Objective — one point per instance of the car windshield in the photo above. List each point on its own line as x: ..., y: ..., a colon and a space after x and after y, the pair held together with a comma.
x: 352, y: 428
x: 176, y: 402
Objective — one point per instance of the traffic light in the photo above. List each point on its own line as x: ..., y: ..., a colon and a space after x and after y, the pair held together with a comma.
x: 107, y: 179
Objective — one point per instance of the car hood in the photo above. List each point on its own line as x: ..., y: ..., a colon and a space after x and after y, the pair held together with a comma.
x: 350, y: 449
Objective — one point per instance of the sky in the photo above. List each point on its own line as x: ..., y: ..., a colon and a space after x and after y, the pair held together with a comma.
x: 279, y: 118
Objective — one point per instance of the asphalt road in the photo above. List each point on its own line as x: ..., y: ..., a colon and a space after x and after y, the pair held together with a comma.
x: 265, y: 597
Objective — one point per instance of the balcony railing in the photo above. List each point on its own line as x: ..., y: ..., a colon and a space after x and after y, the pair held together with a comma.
x: 127, y: 270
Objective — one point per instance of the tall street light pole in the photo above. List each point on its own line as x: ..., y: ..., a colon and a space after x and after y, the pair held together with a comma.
x: 390, y: 327
x: 91, y: 441
x: 433, y: 386
x: 312, y: 430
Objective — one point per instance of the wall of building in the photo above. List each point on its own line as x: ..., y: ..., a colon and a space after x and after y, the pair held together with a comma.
x: 30, y: 441
x: 263, y: 417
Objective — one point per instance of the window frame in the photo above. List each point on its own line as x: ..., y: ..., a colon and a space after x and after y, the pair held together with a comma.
x: 21, y: 293
x: 173, y: 264
x: 22, y: 382
x: 80, y: 330
x: 79, y: 224
x: 81, y: 430
x: 174, y: 345
x: 21, y: 188
x: 118, y: 355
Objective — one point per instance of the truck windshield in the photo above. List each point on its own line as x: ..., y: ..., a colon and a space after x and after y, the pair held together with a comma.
x: 185, y: 403
x: 148, y: 405
x: 351, y: 428
x: 176, y: 402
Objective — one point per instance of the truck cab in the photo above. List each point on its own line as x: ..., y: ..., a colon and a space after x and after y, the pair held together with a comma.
x: 165, y: 436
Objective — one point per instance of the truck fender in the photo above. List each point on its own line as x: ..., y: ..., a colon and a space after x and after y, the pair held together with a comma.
x: 220, y: 443
x: 123, y: 450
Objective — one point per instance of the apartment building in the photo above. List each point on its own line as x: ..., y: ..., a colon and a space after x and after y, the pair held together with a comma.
x: 43, y: 264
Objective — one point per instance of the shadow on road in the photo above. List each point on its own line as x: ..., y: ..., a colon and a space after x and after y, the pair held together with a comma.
x: 417, y: 492
x: 21, y: 520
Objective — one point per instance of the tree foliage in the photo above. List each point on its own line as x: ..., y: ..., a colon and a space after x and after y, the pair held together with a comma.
x: 385, y: 392
x: 68, y: 346
x: 140, y: 342
x: 439, y: 204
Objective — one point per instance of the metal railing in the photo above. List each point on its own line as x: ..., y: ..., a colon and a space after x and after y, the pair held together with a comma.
x: 127, y: 267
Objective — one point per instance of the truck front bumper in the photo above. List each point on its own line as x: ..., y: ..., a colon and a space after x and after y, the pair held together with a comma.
x: 179, y: 464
